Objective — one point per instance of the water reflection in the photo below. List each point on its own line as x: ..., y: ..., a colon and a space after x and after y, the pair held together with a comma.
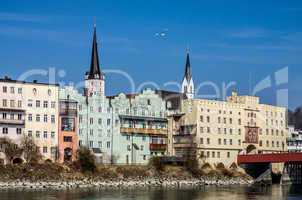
x: 205, y: 193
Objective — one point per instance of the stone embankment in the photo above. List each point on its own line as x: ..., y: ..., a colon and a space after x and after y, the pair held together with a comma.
x: 123, y: 183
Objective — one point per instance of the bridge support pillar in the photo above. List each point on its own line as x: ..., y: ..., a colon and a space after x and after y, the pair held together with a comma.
x: 292, y: 173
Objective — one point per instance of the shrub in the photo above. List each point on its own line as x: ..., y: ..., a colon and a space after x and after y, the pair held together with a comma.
x: 11, y: 149
x: 31, y: 151
x: 86, y: 160
x: 192, y: 166
x: 156, y: 163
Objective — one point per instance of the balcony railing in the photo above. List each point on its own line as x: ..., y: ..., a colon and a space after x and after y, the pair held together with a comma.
x: 12, y: 121
x: 147, y: 131
x: 158, y: 147
x: 184, y: 145
x: 72, y: 112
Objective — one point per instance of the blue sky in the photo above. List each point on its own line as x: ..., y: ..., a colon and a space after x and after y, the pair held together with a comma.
x: 240, y: 41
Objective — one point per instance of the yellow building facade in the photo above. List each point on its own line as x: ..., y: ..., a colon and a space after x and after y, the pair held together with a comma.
x: 217, y: 131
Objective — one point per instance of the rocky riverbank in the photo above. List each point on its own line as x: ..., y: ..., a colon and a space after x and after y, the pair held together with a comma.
x: 57, y: 176
x: 123, y: 183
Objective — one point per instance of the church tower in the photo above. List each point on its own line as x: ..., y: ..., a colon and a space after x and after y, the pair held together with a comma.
x: 94, y: 79
x: 187, y: 86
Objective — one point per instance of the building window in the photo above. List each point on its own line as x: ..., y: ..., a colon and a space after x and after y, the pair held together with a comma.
x: 100, y: 144
x: 108, y: 122
x: 208, y: 130
x: 18, y: 131
x: 91, y: 120
x: 208, y: 140
x: 239, y: 131
x: 91, y: 132
x: 201, y: 118
x: 5, y: 130
x: 201, y: 129
x: 4, y: 89
x: 208, y: 119
x: 45, y: 134
x: 267, y: 143
x: 12, y: 103
x: 30, y: 117
x: 100, y: 121
x: 67, y: 139
x: 128, y: 137
x: 53, y: 119
x: 19, y: 104
x: 231, y: 121
x: 108, y: 145
x: 30, y: 103
x: 208, y: 154
x: 12, y: 90
x: 218, y: 154
x: 37, y: 134
x: 201, y: 140
x: 19, y: 90
x: 4, y: 103
x: 37, y: 117
x: 228, y: 154
x: 44, y: 149
x: 224, y: 141
x: 219, y: 141
x: 52, y: 135
x: 231, y: 142
x: 30, y: 133
x: 213, y: 154
x: 90, y: 144
x: 19, y: 116
x: 38, y: 104
x: 260, y: 143
x: 45, y: 104
x: 239, y: 142
x: 4, y: 115
x: 219, y: 119
x: 45, y: 118
x: 53, y: 104
x: 239, y: 121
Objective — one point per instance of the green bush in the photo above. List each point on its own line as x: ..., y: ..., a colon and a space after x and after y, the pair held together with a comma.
x: 86, y: 160
x: 156, y: 163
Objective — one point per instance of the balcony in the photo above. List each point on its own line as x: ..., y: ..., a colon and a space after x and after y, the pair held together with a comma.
x: 185, y: 145
x: 145, y: 131
x: 68, y: 112
x: 12, y: 122
x: 158, y: 147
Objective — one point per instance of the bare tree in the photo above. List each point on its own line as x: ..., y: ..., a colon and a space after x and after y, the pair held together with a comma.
x: 31, y: 151
x: 10, y: 149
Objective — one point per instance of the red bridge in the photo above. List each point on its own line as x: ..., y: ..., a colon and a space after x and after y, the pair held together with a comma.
x: 269, y: 158
x: 259, y: 166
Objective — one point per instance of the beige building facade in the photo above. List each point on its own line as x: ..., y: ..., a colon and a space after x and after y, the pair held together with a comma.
x: 30, y: 108
x: 217, y: 131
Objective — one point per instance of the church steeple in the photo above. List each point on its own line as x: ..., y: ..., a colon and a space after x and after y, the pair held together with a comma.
x: 95, y: 72
x: 187, y: 86
x: 188, y: 73
x: 94, y: 79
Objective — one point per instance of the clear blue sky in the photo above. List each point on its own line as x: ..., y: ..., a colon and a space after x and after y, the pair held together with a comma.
x: 229, y: 41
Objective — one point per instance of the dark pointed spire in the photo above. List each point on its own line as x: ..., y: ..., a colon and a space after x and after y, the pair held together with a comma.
x: 188, y: 73
x: 95, y: 72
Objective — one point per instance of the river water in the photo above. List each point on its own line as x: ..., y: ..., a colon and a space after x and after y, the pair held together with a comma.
x: 274, y: 192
